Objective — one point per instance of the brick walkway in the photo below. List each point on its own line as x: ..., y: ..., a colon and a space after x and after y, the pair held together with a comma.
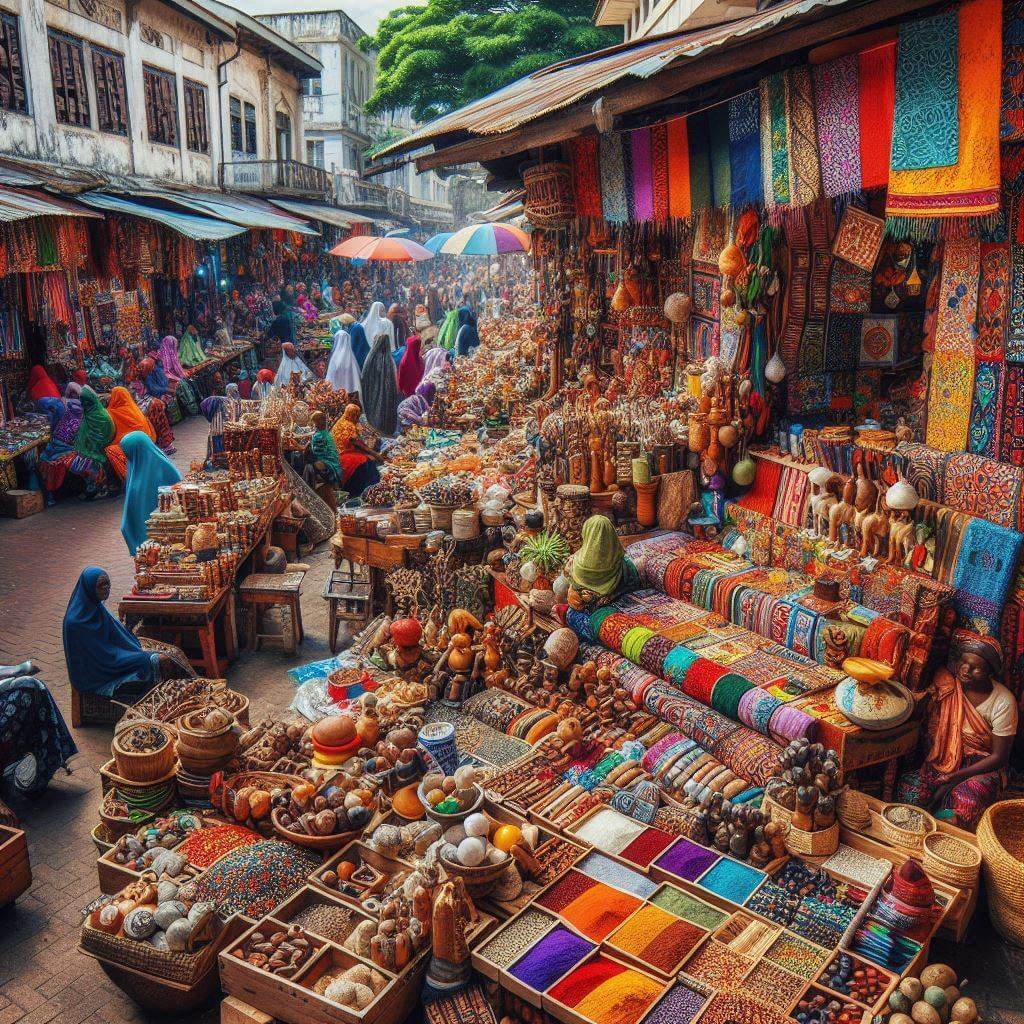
x: 42, y: 976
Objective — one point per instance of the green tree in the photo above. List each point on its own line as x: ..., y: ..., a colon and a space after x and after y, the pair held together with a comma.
x: 440, y: 56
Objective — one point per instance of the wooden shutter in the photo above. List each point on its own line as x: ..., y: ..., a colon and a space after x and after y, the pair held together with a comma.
x: 111, y: 92
x: 196, y: 132
x: 13, y: 94
x: 67, y: 67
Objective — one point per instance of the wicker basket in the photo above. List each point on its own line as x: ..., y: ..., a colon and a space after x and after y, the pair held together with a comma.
x: 853, y: 811
x: 143, y: 767
x: 441, y: 517
x: 156, y: 994
x: 480, y: 879
x: 896, y: 834
x: 181, y: 968
x: 1001, y: 840
x: 821, y: 843
x: 549, y: 194
x: 950, y: 859
x: 465, y: 524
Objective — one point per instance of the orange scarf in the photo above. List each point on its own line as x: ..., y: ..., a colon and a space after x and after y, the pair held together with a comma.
x: 952, y: 743
x: 127, y: 416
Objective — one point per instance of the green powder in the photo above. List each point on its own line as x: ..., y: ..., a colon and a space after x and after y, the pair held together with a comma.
x: 688, y: 907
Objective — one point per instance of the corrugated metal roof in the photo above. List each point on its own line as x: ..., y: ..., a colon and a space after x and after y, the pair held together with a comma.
x: 199, y: 228
x: 249, y: 213
x: 560, y: 85
x: 22, y: 205
x: 322, y: 211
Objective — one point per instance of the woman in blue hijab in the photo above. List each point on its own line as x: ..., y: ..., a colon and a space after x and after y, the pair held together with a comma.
x: 360, y: 346
x: 53, y: 409
x: 102, y: 654
x: 148, y: 470
x: 466, y: 339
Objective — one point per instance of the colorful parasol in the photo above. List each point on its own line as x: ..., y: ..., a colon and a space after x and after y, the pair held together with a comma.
x: 388, y: 250
x: 434, y: 243
x: 486, y: 240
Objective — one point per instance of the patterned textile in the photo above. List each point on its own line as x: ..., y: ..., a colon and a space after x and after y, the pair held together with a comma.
x: 31, y: 723
x: 877, y: 98
x: 775, y: 141
x: 859, y: 238
x: 985, y: 569
x: 952, y: 375
x: 879, y: 340
x: 849, y: 289
x: 804, y: 167
x: 700, y: 162
x: 984, y: 488
x: 791, y: 500
x: 643, y: 189
x: 924, y: 468
x: 986, y: 409
x: 993, y: 297
x: 745, y: 149
x: 842, y: 341
x: 967, y: 800
x: 837, y: 116
x: 659, y: 171
x: 1011, y: 440
x: 970, y: 186
x: 751, y: 756
x: 678, y: 168
x: 761, y: 495
x: 1011, y: 107
x: 926, y: 121
x: 718, y: 155
x: 586, y: 176
x: 613, y: 183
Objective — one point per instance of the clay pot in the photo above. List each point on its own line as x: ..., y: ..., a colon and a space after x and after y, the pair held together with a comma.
x: 646, y: 510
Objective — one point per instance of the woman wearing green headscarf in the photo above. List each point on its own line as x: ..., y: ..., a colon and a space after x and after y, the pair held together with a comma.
x: 190, y: 352
x: 600, y: 569
x: 95, y: 432
x: 449, y: 328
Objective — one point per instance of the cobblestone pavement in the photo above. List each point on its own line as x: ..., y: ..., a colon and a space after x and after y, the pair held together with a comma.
x: 43, y: 978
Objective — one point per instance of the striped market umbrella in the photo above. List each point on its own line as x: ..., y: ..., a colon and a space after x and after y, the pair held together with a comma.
x: 435, y: 243
x: 382, y: 250
x: 486, y: 240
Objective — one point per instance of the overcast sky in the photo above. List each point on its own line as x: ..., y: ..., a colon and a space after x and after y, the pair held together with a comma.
x: 365, y: 13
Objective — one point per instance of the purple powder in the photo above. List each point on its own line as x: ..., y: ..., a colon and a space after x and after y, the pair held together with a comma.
x: 556, y: 954
x: 679, y: 1005
x: 686, y: 860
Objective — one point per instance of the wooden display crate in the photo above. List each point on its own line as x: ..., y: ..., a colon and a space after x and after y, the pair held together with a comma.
x: 15, y: 869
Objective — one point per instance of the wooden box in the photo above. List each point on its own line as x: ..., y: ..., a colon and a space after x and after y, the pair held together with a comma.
x: 18, y: 504
x: 357, y: 852
x: 15, y: 870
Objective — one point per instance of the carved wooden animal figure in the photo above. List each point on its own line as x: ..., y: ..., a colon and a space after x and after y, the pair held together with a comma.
x: 874, y: 529
x: 902, y: 536
x: 865, y: 500
x: 827, y: 500
x: 842, y: 514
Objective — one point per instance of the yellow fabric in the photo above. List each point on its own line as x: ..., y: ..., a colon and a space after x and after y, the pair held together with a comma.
x: 970, y: 187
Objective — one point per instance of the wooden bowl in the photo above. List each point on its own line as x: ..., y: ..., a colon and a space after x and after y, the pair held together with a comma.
x: 457, y: 817
x: 479, y: 879
x: 334, y: 841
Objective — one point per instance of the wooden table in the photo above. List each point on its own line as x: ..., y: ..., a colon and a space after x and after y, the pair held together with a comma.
x: 381, y: 558
x: 204, y: 622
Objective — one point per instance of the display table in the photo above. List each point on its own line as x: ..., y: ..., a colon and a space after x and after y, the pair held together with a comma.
x: 378, y: 555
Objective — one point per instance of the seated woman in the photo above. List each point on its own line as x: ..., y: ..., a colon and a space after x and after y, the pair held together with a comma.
x: 190, y: 351
x: 973, y: 722
x: 148, y: 470
x: 103, y: 656
x: 600, y: 568
x: 34, y: 740
x: 127, y: 416
x: 168, y: 353
x: 95, y: 432
x: 358, y: 461
x: 41, y: 384
x: 325, y: 463
x: 415, y: 410
x: 55, y: 460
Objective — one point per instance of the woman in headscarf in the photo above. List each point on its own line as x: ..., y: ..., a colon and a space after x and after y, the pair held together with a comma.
x: 291, y: 362
x: 600, y: 568
x: 375, y: 323
x: 342, y: 369
x: 358, y: 461
x: 449, y: 329
x: 326, y: 462
x: 380, y: 388
x: 95, y: 431
x: 264, y: 384
x: 435, y: 309
x: 436, y: 364
x: 213, y: 409
x: 56, y: 458
x: 190, y: 351
x: 327, y: 296
x: 33, y: 735
x: 232, y: 403
x: 168, y: 353
x: 972, y: 727
x: 467, y: 338
x: 103, y: 656
x: 413, y: 412
x: 127, y: 416
x: 156, y: 413
x: 154, y: 380
x: 400, y: 323
x: 411, y: 368
x: 148, y: 470
x: 53, y: 409
x: 40, y: 384
x: 360, y: 346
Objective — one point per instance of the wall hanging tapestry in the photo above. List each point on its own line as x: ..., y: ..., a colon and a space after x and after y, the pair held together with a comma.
x: 747, y: 185
x: 878, y: 340
x: 876, y: 98
x: 1011, y: 108
x: 837, y: 115
x: 1011, y: 438
x: 993, y: 296
x: 859, y: 238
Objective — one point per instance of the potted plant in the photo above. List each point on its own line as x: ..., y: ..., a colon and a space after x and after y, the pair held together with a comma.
x: 548, y: 552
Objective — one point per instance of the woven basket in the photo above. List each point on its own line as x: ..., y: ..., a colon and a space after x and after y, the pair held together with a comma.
x: 143, y: 767
x: 156, y: 994
x: 441, y: 517
x: 853, y: 811
x: 960, y: 868
x: 1001, y: 840
x: 181, y: 968
x: 820, y: 843
x: 549, y: 194
x: 899, y: 836
x: 465, y: 524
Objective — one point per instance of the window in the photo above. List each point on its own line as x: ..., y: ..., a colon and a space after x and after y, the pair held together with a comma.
x: 13, y: 93
x: 250, y: 129
x: 67, y: 65
x: 315, y: 152
x: 111, y: 95
x: 197, y: 133
x: 235, y: 109
x: 311, y: 87
x: 161, y: 106
x: 283, y: 134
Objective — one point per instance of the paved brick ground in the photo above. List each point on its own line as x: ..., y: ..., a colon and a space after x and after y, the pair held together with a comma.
x: 42, y: 976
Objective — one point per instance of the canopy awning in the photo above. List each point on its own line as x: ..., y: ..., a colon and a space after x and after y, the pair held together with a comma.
x: 198, y: 228
x: 324, y: 212
x: 20, y: 205
x: 249, y: 213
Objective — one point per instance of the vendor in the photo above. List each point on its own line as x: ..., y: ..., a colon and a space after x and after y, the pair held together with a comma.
x: 358, y: 460
x: 411, y: 367
x: 281, y: 327
x: 33, y: 735
x: 466, y: 339
x: 190, y: 351
x: 103, y: 656
x: 148, y: 470
x: 127, y: 416
x: 415, y: 410
x: 973, y: 724
x: 264, y: 384
x: 291, y: 362
x: 324, y: 452
x: 600, y: 569
x: 95, y: 432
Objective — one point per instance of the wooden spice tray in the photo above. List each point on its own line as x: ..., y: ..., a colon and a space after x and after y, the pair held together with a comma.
x: 358, y: 852
x: 499, y: 974
x: 307, y: 896
x: 15, y: 869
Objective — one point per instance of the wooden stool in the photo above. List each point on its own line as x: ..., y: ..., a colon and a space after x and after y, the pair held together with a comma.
x: 264, y: 590
x: 347, y: 592
x: 285, y: 534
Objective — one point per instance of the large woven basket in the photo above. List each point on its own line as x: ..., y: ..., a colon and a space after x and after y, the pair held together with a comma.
x: 820, y: 843
x: 143, y: 767
x: 950, y: 859
x: 181, y: 968
x: 549, y: 194
x: 1001, y: 839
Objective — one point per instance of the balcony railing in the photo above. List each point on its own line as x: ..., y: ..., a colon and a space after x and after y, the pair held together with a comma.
x: 352, y: 191
x: 290, y: 176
